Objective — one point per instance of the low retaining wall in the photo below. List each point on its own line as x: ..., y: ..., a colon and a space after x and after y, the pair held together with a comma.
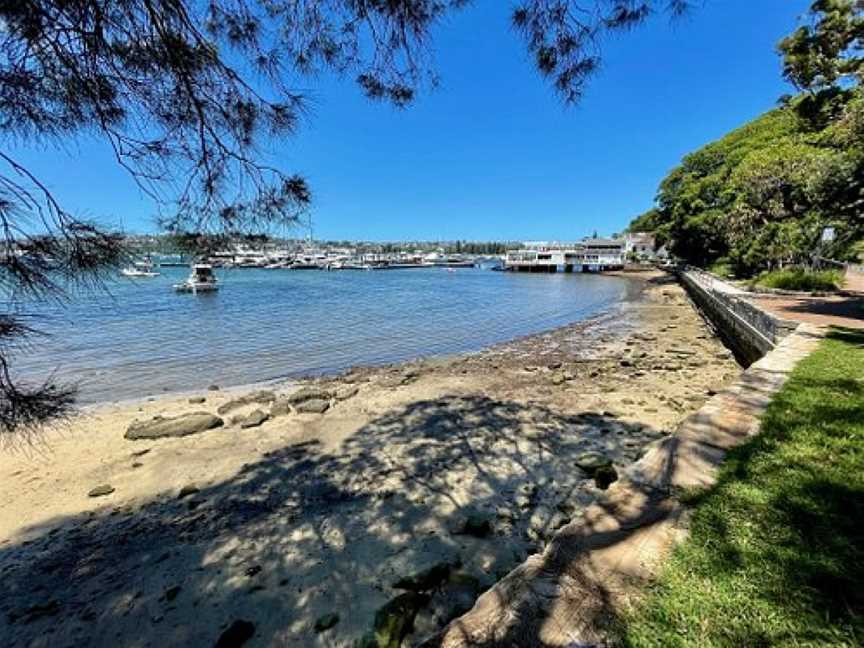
x: 748, y: 330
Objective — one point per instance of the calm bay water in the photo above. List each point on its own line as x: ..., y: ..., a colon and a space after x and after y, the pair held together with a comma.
x: 145, y: 339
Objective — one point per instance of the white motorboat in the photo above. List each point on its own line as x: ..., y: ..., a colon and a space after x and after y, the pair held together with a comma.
x: 201, y: 279
x: 140, y: 269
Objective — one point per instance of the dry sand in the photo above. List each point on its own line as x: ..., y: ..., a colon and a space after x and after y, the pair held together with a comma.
x: 465, y: 465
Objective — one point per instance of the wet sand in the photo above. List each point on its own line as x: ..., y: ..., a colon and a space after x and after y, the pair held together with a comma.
x: 418, y: 487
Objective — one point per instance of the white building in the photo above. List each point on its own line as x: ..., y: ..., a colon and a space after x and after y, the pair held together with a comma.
x: 642, y: 245
x: 585, y: 256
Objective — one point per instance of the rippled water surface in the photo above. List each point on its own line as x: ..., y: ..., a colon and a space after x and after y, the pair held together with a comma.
x: 146, y: 339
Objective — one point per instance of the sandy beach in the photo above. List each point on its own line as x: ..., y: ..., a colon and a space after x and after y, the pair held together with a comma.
x: 344, y: 508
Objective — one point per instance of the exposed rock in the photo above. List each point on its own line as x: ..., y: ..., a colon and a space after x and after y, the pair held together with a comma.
x: 310, y: 393
x: 141, y: 453
x: 187, y: 490
x: 326, y: 622
x: 429, y: 578
x: 178, y: 426
x: 591, y: 462
x: 281, y: 407
x: 453, y: 599
x: 344, y: 393
x: 604, y: 476
x: 475, y: 524
x: 261, y: 397
x: 171, y: 593
x: 100, y: 491
x: 254, y: 419
x: 394, y: 621
x: 312, y: 406
x: 213, y: 388
x: 197, y: 400
x: 237, y: 634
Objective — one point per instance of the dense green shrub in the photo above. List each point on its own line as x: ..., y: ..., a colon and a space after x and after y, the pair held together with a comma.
x: 800, y: 279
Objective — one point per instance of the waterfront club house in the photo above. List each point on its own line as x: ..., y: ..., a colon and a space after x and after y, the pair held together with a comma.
x: 588, y: 255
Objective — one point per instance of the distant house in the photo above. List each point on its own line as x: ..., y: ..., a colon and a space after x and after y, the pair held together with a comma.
x: 641, y: 245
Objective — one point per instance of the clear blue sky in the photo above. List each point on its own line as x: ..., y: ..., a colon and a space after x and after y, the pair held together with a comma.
x: 492, y: 154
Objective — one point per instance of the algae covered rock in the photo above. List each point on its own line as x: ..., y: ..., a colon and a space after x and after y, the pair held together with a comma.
x: 394, y: 621
x: 178, y: 426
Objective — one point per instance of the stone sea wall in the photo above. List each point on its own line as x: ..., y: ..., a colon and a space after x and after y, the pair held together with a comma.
x: 748, y: 330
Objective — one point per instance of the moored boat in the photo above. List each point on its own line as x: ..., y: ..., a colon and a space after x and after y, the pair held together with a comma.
x: 144, y: 269
x: 200, y: 279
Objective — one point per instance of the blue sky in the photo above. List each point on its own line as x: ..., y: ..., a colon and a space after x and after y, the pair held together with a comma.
x: 492, y: 154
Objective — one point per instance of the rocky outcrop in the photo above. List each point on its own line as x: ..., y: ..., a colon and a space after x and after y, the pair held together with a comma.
x: 312, y: 406
x: 259, y: 397
x: 309, y: 393
x: 346, y: 392
x: 281, y: 408
x: 254, y: 419
x: 178, y: 426
x: 101, y: 491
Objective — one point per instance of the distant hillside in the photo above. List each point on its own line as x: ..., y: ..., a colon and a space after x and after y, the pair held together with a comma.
x: 761, y: 195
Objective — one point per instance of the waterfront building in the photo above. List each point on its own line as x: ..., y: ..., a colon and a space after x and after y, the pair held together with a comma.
x: 588, y: 255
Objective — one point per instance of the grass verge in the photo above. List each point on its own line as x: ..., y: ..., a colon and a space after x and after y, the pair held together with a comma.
x: 776, y: 551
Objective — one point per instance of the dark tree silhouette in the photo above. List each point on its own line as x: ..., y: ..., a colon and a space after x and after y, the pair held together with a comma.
x: 186, y: 92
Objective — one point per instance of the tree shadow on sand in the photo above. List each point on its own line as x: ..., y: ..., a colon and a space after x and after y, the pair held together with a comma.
x: 303, y: 532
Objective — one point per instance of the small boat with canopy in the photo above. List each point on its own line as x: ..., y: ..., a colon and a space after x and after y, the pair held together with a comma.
x: 200, y: 279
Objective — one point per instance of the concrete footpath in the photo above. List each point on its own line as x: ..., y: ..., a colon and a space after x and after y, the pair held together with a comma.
x: 565, y: 596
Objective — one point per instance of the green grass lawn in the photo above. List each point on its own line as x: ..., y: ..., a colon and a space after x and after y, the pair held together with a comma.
x: 776, y: 551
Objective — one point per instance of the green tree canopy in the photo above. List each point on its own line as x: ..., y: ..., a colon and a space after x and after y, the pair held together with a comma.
x: 761, y: 195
